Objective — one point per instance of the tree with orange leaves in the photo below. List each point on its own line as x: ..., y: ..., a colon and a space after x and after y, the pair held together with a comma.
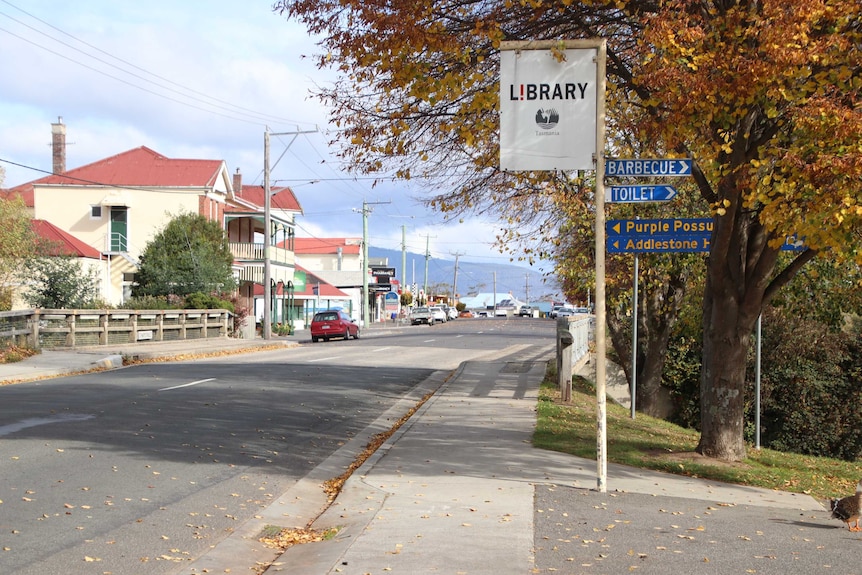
x: 764, y: 95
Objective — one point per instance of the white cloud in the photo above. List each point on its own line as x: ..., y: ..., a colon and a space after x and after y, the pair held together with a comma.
x: 238, y: 52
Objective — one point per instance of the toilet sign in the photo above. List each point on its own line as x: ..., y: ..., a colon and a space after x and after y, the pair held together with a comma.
x: 638, y: 194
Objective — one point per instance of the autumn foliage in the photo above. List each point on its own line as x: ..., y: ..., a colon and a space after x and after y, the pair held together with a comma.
x: 763, y: 95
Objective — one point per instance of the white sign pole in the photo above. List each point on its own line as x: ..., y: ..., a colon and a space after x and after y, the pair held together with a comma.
x: 545, y: 106
x: 601, y: 353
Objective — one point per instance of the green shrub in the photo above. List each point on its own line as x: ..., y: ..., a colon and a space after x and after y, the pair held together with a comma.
x: 281, y: 329
x: 149, y: 302
x: 199, y: 300
x: 681, y: 376
x: 810, y: 389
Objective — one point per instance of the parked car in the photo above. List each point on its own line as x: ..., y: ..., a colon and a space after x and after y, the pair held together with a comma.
x: 333, y: 323
x: 421, y: 315
x: 565, y: 312
x: 525, y: 311
x: 466, y: 313
x: 438, y: 314
x: 555, y: 310
x: 451, y: 312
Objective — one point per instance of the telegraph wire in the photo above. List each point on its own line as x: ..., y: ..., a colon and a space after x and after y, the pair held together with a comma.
x: 86, y: 181
x: 255, y: 118
x: 126, y: 62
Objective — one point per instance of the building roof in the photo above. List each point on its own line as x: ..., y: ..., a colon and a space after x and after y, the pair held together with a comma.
x: 326, y: 246
x: 137, y: 167
x: 281, y: 198
x: 63, y: 243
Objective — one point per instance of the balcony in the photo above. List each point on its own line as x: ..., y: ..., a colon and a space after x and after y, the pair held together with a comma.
x: 250, y: 257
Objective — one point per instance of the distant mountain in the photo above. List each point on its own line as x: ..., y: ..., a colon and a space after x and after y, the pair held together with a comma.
x: 472, y: 277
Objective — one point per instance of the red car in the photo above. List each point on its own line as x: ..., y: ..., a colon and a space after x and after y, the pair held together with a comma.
x: 333, y: 323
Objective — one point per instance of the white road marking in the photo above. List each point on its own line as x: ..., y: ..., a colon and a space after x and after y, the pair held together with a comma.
x: 36, y: 421
x: 382, y: 349
x: 188, y: 384
x: 323, y: 359
x: 429, y: 340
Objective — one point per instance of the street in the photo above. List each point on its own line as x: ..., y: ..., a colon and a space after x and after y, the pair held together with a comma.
x: 143, y: 469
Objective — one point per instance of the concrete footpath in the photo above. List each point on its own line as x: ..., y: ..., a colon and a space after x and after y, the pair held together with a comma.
x: 459, y: 489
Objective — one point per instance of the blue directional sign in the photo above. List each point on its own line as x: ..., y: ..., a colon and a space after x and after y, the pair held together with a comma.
x: 633, y: 194
x: 648, y: 168
x: 669, y: 235
x: 665, y: 235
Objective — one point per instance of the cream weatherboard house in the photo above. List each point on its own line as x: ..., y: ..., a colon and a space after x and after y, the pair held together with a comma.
x: 118, y: 204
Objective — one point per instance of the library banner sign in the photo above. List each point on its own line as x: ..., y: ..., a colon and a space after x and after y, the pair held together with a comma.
x: 548, y: 109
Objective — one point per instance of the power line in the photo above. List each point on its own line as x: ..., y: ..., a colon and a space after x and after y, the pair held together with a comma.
x: 250, y: 116
x: 126, y: 62
x: 93, y: 182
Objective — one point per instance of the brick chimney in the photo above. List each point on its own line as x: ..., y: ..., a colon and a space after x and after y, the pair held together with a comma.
x: 58, y: 146
x: 237, y: 183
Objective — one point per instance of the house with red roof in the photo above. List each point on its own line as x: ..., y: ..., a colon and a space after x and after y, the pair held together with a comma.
x: 337, y: 262
x: 311, y: 293
x: 118, y: 204
x: 115, y: 206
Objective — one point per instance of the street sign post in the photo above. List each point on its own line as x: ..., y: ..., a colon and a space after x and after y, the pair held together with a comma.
x: 662, y: 167
x: 637, y: 194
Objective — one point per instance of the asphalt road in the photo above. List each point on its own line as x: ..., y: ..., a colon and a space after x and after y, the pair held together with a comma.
x: 141, y: 470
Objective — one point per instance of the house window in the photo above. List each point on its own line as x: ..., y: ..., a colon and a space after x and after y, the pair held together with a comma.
x: 95, y: 212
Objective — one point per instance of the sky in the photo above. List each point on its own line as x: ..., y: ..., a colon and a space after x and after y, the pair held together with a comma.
x: 200, y: 79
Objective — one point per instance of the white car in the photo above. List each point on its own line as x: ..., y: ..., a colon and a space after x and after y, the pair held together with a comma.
x: 438, y: 314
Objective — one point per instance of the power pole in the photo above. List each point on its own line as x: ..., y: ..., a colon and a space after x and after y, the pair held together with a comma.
x: 527, y: 288
x: 427, y: 257
x: 403, y: 257
x: 365, y: 268
x: 267, y: 228
x: 495, y: 295
x: 455, y: 279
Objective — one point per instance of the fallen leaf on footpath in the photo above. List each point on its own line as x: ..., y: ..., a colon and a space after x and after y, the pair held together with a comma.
x: 290, y: 537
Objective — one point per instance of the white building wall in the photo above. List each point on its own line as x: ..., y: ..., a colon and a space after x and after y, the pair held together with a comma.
x: 69, y: 208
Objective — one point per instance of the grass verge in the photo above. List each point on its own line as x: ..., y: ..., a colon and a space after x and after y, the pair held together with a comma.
x: 652, y: 443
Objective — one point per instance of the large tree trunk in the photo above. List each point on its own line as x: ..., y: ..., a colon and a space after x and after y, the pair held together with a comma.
x: 740, y: 280
x: 725, y: 347
x: 738, y: 284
